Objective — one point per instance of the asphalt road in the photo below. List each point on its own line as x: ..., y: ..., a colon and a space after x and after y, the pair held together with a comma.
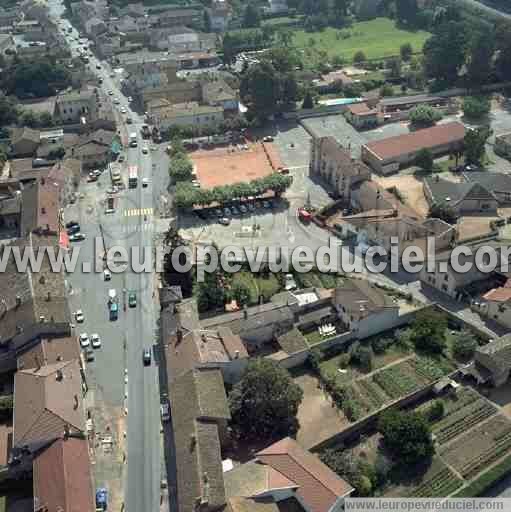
x: 131, y: 226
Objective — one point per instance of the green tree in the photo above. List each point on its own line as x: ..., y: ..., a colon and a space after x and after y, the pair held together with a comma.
x: 8, y: 110
x: 359, y: 57
x: 240, y: 293
x: 436, y: 411
x: 442, y: 212
x: 475, y: 144
x: 206, y: 22
x: 444, y: 52
x: 265, y: 401
x: 503, y: 62
x: 480, y: 60
x: 362, y: 356
x: 406, y: 52
x: 464, y: 345
x: 428, y: 331
x: 251, y: 16
x: 476, y: 107
x: 407, y: 435
x: 424, y: 115
x: 386, y: 90
x: 229, y: 50
x: 424, y: 160
x: 181, y: 168
x: 394, y: 66
x: 406, y: 11
x: 308, y: 102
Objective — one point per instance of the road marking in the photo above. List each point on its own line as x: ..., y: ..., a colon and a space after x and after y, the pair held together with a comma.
x: 137, y: 228
x: 136, y: 212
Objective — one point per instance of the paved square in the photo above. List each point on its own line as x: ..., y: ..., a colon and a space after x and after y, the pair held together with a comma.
x: 225, y: 166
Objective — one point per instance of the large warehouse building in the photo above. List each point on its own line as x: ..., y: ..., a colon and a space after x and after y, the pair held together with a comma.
x: 388, y: 155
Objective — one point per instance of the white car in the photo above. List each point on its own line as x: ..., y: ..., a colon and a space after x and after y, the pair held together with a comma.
x: 110, y: 93
x: 107, y: 275
x: 145, y: 182
x: 130, y: 99
x: 145, y: 150
x: 84, y: 340
x: 95, y: 340
x: 79, y: 317
x: 123, y: 110
x: 116, y: 101
x: 165, y: 411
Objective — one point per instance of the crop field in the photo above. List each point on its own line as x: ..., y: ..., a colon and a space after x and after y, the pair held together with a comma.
x: 488, y: 442
x: 378, y: 38
x: 438, y: 482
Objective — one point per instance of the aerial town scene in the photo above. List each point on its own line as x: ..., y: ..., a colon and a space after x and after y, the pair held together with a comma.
x: 254, y: 254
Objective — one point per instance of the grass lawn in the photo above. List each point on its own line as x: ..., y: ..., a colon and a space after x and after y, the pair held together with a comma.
x: 377, y: 38
x: 258, y: 285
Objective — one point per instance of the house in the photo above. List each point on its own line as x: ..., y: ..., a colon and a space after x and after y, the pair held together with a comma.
x: 47, y: 405
x: 199, y: 418
x: 380, y: 227
x: 128, y: 23
x: 194, y: 60
x: 389, y: 155
x: 362, y: 117
x: 7, y: 44
x: 335, y: 164
x: 40, y: 207
x: 10, y: 208
x: 24, y: 142
x: 40, y: 106
x: 496, y: 183
x: 219, y: 14
x: 492, y: 362
x: 188, y: 114
x: 365, y: 309
x: 49, y: 350
x: 371, y: 196
x: 218, y: 93
x: 181, y: 40
x: 461, y: 198
x: 32, y: 303
x: 62, y: 476
x: 29, y: 169
x: 175, y: 17
x: 496, y: 305
x: 95, y: 27
x: 502, y: 145
x: 277, y: 6
x: 72, y: 107
x: 285, y: 474
x: 332, y: 82
x: 94, y: 149
x: 108, y: 44
x: 204, y: 348
x: 440, y: 274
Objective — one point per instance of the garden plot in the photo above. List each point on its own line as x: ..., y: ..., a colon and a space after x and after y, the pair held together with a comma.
x: 439, y: 481
x: 488, y: 442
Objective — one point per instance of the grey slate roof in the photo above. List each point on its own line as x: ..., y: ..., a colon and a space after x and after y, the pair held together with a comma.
x: 445, y: 192
x: 492, y: 181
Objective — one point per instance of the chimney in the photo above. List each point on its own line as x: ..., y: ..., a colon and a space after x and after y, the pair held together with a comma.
x: 60, y: 376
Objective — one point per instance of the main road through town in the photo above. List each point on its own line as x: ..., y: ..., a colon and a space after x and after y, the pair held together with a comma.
x: 130, y: 226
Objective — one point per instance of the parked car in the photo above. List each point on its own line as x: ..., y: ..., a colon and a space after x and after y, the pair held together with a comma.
x: 95, y: 340
x: 243, y: 209
x: 78, y: 237
x: 132, y: 299
x: 73, y: 229
x: 107, y: 275
x: 225, y: 221
x: 84, y: 340
x: 145, y: 182
x: 227, y: 212
x: 89, y: 355
x: 72, y: 223
x: 266, y: 204
x: 145, y: 150
x: 79, y: 317
x: 146, y: 357
x: 268, y: 138
x: 165, y: 411
x: 218, y: 213
x: 235, y: 210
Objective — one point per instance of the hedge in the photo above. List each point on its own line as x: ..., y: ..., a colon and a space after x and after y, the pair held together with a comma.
x: 486, y: 480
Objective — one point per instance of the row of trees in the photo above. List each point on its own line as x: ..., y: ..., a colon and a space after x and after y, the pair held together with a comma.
x: 187, y: 196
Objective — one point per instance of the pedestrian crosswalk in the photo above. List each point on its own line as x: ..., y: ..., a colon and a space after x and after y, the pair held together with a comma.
x: 137, y: 228
x: 137, y: 212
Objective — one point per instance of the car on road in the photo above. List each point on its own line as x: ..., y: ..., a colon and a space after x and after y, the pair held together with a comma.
x: 130, y: 99
x: 235, y: 210
x: 84, y: 340
x: 116, y: 101
x: 78, y: 237
x: 123, y: 110
x: 120, y: 159
x: 225, y: 221
x: 73, y: 229
x: 79, y: 316
x: 107, y: 275
x: 110, y: 93
x: 146, y: 356
x: 98, y: 66
x: 145, y: 182
x: 95, y: 340
x: 268, y: 138
x: 132, y: 300
x: 243, y: 209
x: 129, y: 120
x: 145, y: 150
x: 219, y: 213
x: 114, y: 311
x: 112, y: 75
x: 100, y: 81
x: 71, y: 224
x: 89, y: 355
x: 165, y: 411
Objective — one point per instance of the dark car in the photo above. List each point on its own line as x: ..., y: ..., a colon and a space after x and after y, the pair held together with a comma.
x: 146, y: 357
x: 73, y: 229
x: 89, y: 355
x: 71, y: 223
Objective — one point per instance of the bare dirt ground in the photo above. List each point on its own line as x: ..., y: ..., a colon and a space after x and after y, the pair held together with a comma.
x: 410, y: 187
x: 472, y: 227
x: 319, y: 418
x: 502, y: 397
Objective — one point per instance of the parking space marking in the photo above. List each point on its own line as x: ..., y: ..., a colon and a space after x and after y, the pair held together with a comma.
x: 135, y: 212
x: 137, y: 228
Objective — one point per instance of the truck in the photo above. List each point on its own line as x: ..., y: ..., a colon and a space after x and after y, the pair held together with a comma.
x: 133, y: 140
x: 304, y: 215
x: 132, y: 176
